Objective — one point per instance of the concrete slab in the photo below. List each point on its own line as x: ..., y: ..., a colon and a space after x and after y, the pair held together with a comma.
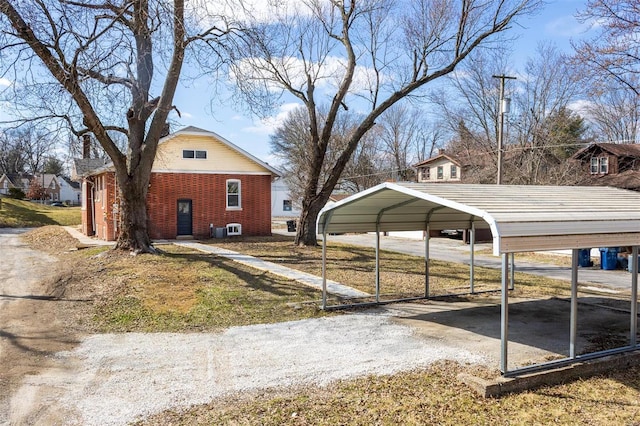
x: 538, y: 329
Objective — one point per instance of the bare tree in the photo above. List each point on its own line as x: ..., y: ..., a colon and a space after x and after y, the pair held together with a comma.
x: 614, y: 53
x: 614, y: 112
x: 12, y: 157
x: 470, y: 107
x: 114, y: 66
x: 368, y: 55
x: 400, y: 131
x: 540, y: 108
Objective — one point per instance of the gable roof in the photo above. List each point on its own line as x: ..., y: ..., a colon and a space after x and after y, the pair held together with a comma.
x: 86, y: 167
x: 617, y: 149
x: 520, y: 217
x: 192, y: 130
x: 438, y: 157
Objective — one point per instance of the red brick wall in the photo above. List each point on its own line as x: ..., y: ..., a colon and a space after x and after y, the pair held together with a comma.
x: 208, y: 195
x: 104, y: 198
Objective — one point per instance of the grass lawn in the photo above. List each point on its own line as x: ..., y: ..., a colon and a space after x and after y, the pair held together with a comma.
x: 184, y: 291
x: 25, y: 214
x: 178, y: 290
x: 401, y: 275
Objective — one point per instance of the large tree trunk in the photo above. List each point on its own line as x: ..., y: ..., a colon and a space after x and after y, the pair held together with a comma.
x: 133, y: 223
x: 306, y: 230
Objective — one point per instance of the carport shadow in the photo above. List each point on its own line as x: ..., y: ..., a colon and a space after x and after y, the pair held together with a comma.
x: 542, y: 324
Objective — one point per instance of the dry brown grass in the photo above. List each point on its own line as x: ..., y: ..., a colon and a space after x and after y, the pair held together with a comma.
x: 425, y: 397
x: 401, y: 275
x: 178, y: 290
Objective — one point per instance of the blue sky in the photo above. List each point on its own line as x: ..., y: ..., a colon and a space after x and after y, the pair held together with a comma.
x: 201, y: 107
x: 555, y: 22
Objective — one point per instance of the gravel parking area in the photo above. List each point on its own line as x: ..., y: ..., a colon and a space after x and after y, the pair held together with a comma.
x: 117, y: 378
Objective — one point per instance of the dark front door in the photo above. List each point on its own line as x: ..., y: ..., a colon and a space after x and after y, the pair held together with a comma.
x: 184, y: 217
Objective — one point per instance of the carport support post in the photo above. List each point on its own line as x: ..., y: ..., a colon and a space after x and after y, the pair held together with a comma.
x: 377, y: 263
x: 504, y: 314
x: 634, y: 296
x: 573, y: 323
x: 426, y: 262
x: 512, y: 272
x: 324, y: 270
x: 472, y: 242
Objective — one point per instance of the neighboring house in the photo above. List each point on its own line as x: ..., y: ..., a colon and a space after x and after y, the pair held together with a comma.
x: 14, y: 180
x: 282, y: 205
x: 441, y: 168
x: 51, y: 186
x: 610, y: 164
x: 23, y: 181
x: 200, y: 183
x: 69, y: 191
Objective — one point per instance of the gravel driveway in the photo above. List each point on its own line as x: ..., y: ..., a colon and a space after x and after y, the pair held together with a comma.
x: 113, y: 379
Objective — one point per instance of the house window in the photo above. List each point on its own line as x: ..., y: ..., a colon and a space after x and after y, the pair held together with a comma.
x: 233, y: 194
x: 286, y: 205
x: 191, y: 153
x: 594, y: 165
x: 440, y: 172
x: 604, y: 165
x: 454, y: 172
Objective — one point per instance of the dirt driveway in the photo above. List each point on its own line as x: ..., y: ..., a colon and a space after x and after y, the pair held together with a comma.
x: 30, y: 331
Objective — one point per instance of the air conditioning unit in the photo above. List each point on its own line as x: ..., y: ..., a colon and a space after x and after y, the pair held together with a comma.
x: 234, y: 229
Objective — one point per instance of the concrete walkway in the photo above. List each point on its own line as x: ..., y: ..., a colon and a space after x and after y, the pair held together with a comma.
x: 282, y: 271
x: 456, y: 251
x: 87, y: 241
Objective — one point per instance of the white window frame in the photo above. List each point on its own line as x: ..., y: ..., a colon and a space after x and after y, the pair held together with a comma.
x: 454, y: 171
x: 239, y: 194
x: 440, y: 172
x: 604, y: 165
x: 198, y: 154
x: 595, y: 165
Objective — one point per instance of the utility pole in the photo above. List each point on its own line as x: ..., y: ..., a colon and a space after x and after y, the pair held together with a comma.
x: 504, y: 109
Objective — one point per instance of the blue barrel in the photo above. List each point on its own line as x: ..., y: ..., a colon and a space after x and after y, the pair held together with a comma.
x: 584, y: 258
x: 609, y: 258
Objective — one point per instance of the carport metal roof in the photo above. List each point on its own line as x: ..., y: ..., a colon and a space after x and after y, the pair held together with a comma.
x: 521, y: 218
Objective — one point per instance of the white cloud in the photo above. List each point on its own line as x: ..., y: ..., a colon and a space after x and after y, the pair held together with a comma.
x: 567, y: 26
x: 328, y: 74
x: 5, y: 82
x: 581, y: 107
x: 268, y: 125
x: 211, y: 12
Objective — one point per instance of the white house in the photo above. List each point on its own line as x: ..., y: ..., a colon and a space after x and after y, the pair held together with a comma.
x: 441, y: 168
x: 282, y: 204
x: 69, y: 191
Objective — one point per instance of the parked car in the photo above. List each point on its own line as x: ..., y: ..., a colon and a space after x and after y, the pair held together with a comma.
x: 58, y: 204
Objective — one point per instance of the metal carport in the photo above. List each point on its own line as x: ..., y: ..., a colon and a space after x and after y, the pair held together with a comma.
x: 521, y: 218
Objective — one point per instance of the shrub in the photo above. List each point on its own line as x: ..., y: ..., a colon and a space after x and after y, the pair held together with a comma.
x: 16, y: 193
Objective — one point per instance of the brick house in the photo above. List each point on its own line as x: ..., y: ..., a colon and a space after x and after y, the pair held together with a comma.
x: 610, y: 164
x: 200, y: 182
x: 441, y: 168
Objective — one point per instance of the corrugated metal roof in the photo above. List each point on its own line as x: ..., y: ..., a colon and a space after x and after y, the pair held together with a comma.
x: 521, y: 218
